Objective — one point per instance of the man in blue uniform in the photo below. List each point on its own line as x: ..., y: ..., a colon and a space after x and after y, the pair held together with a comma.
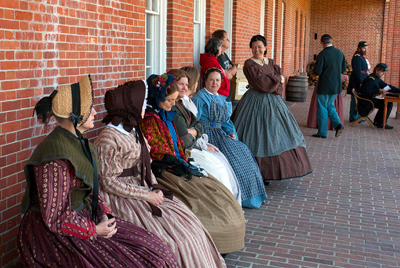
x: 330, y: 65
x: 359, y: 73
x: 373, y: 86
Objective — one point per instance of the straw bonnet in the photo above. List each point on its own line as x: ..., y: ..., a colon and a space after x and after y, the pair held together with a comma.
x: 66, y: 101
x: 73, y: 101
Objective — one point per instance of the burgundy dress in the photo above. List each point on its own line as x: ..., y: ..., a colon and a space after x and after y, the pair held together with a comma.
x: 60, y: 237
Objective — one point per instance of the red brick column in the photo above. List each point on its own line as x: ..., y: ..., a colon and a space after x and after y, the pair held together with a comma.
x: 214, y: 16
x: 245, y: 24
x: 179, y: 34
x: 391, y: 42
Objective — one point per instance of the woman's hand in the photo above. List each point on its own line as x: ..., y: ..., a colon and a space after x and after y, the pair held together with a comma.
x: 232, y: 136
x: 106, y: 227
x: 211, y: 148
x: 155, y: 198
x: 192, y: 131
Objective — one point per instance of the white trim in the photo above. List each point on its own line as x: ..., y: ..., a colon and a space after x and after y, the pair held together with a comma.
x: 282, y: 21
x: 228, y: 6
x: 159, y: 46
x: 262, y: 17
x: 273, y: 29
x: 199, y: 41
x: 152, y: 12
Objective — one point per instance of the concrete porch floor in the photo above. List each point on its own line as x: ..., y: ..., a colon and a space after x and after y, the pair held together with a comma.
x: 344, y: 214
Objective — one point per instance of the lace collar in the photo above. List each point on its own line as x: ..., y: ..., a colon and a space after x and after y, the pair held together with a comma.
x: 259, y: 62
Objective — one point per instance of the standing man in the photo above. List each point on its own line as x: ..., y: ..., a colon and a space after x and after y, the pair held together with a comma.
x: 330, y: 64
x: 225, y: 62
x: 373, y: 86
x: 360, y: 72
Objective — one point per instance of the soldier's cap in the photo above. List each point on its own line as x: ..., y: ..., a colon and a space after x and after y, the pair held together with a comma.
x: 362, y: 44
x: 326, y: 36
x: 381, y: 66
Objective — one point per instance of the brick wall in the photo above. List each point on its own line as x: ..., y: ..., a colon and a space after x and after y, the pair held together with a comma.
x: 391, y: 43
x: 245, y: 23
x: 348, y: 22
x: 46, y: 43
x: 179, y: 33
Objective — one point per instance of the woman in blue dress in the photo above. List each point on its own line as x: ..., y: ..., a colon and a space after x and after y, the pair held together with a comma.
x: 213, y: 115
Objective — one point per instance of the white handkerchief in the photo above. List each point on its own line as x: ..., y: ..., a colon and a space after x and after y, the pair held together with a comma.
x: 386, y: 88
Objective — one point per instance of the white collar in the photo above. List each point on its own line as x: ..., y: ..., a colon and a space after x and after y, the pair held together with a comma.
x: 216, y: 94
x: 187, y: 98
x: 120, y: 128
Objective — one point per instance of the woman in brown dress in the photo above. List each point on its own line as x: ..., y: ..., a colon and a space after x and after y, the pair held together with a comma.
x: 265, y: 123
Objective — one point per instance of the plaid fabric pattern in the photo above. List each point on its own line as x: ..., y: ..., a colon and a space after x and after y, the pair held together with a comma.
x: 238, y: 155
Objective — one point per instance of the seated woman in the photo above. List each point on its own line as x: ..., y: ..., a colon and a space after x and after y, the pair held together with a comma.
x: 213, y: 115
x: 135, y: 195
x: 209, y: 59
x: 191, y: 132
x: 209, y: 199
x: 66, y: 223
x: 265, y: 123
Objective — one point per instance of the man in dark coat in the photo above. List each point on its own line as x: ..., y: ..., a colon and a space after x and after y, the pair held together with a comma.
x: 360, y: 68
x: 330, y: 64
x: 373, y: 86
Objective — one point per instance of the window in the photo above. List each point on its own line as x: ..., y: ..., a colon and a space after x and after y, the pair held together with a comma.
x: 228, y: 5
x: 262, y: 17
x: 155, y: 37
x: 199, y: 34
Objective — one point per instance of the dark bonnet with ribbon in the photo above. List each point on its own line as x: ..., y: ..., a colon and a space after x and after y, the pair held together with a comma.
x: 124, y: 105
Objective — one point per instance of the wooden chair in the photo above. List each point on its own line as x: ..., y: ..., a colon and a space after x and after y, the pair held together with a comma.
x: 357, y: 97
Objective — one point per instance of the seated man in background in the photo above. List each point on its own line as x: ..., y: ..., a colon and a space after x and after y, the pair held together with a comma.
x: 373, y: 86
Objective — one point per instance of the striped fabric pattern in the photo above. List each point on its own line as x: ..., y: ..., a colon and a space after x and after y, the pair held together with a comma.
x: 178, y: 227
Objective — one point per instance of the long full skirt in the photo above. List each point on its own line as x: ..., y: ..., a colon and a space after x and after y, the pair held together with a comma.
x: 178, y: 227
x: 312, y: 121
x: 266, y: 125
x: 214, y: 205
x: 242, y: 162
x: 217, y: 165
x: 131, y: 246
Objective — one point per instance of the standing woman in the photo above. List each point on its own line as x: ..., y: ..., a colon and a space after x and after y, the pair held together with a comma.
x: 214, y: 117
x: 134, y: 194
x: 265, y: 123
x: 65, y: 223
x: 210, y: 200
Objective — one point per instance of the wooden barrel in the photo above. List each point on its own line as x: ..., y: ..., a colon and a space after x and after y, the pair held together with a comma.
x: 296, y: 88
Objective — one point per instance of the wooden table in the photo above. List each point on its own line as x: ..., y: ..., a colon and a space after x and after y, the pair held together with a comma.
x: 392, y: 97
